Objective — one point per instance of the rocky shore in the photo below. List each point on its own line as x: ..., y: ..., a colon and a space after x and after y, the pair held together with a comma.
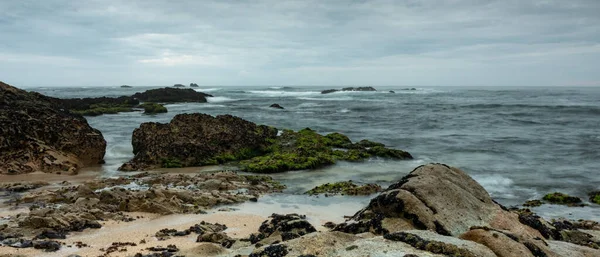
x: 435, y: 210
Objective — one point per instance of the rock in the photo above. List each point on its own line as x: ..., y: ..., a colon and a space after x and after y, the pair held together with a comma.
x: 439, y: 244
x: 392, y: 92
x: 306, y: 149
x: 560, y: 198
x: 533, y: 203
x: 349, y: 89
x: 282, y: 228
x: 501, y: 243
x: 48, y: 246
x: 193, y: 85
x: 195, y: 140
x: 276, y: 106
x: 276, y: 250
x: 36, y: 134
x: 20, y: 187
x: 171, y: 95
x: 217, y: 238
x: 178, y: 85
x: 434, y: 197
x: 100, y: 105
x: 344, y: 188
x: 204, y: 249
x: 594, y: 197
x: 153, y: 108
x: 125, y: 86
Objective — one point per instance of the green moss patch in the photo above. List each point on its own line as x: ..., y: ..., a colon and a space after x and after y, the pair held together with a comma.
x: 560, y: 198
x: 595, y: 197
x: 171, y: 163
x: 153, y: 108
x: 307, y: 149
x: 344, y: 188
x: 97, y: 110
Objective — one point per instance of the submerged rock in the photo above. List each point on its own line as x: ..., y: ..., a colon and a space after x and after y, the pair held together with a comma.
x: 153, y: 108
x: 37, y: 134
x: 171, y: 95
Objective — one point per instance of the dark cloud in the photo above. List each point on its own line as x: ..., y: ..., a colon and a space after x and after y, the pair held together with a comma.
x: 453, y: 42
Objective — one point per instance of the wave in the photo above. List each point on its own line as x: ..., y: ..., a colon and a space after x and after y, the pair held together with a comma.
x: 496, y: 185
x: 219, y: 99
x: 278, y: 93
x: 574, y: 109
x: 207, y: 89
x: 343, y: 98
x: 345, y: 110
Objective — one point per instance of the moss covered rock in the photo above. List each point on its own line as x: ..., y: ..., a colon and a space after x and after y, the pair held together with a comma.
x: 595, y: 197
x: 533, y: 203
x: 153, y: 108
x: 345, y: 188
x: 306, y: 149
x: 560, y: 198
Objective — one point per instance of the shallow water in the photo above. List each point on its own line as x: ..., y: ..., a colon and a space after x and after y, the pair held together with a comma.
x: 519, y: 143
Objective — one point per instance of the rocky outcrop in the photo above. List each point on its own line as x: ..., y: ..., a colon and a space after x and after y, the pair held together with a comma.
x: 444, y: 199
x: 171, y: 95
x: 37, y: 134
x: 178, y: 85
x: 200, y: 139
x: 126, y: 86
x: 193, y: 85
x: 344, y: 188
x: 276, y: 106
x: 196, y: 140
x: 100, y: 105
x: 349, y: 89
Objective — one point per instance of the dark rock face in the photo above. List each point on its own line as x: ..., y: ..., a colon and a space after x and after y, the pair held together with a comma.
x: 193, y: 85
x: 271, y: 251
x: 276, y: 106
x: 37, y: 134
x: 283, y: 228
x: 178, y: 85
x: 171, y: 95
x: 100, y: 105
x: 196, y: 140
x: 349, y: 89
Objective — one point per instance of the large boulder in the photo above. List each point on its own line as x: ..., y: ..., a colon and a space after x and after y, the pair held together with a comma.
x: 171, y: 95
x: 100, y: 105
x: 37, y: 134
x: 196, y: 140
x: 446, y: 200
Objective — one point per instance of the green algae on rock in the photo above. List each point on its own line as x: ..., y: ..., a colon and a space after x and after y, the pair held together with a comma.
x: 594, y: 197
x: 200, y: 139
x: 306, y: 149
x: 153, y: 108
x: 560, y: 198
x: 345, y: 188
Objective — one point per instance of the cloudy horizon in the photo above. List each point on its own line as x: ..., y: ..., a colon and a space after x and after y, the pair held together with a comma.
x: 427, y: 43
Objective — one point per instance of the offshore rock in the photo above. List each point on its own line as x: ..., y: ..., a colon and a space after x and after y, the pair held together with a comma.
x: 349, y: 89
x: 38, y: 134
x: 171, y: 95
x: 196, y: 140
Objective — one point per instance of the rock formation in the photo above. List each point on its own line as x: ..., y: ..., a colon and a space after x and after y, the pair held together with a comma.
x: 37, y: 134
x: 199, y: 139
x: 276, y: 106
x: 349, y: 89
x: 195, y: 140
x: 171, y: 95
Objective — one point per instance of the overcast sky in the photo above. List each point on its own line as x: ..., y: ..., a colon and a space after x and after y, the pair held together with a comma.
x: 435, y: 43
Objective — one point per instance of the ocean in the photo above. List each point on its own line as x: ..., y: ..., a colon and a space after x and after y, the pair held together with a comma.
x: 519, y: 143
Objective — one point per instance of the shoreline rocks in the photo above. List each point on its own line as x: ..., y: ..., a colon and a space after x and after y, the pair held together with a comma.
x: 328, y: 91
x: 37, y: 134
x: 198, y: 139
x: 344, y: 188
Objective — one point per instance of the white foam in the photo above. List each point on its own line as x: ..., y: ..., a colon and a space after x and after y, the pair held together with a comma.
x: 277, y: 93
x: 219, y: 99
x: 496, y: 185
x: 207, y: 89
x: 345, y: 110
x: 343, y: 98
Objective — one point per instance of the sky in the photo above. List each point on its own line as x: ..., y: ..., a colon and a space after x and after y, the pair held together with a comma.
x: 413, y: 43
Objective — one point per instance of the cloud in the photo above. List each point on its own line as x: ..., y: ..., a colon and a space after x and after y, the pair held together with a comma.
x: 446, y: 42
